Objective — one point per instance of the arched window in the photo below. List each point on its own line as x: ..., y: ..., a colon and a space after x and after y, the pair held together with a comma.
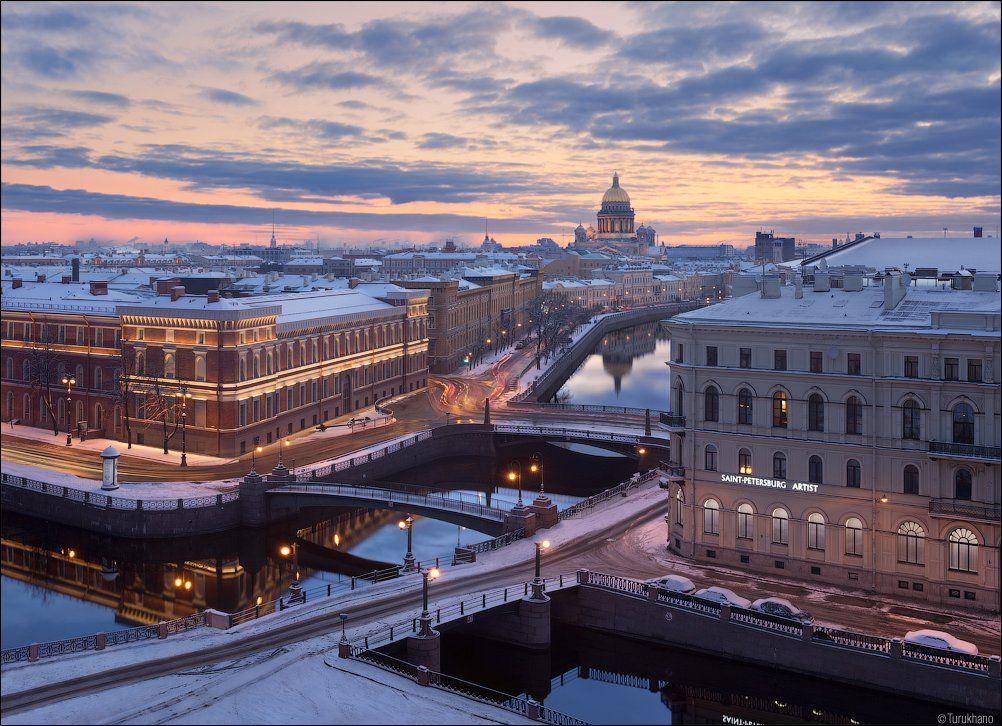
x: 26, y: 408
x: 815, y: 470
x: 710, y: 458
x: 911, y: 420
x: 9, y: 369
x: 815, y: 412
x: 711, y: 404
x: 779, y: 465
x: 746, y: 522
x: 677, y: 405
x: 853, y: 415
x: 243, y: 369
x: 711, y: 517
x: 745, y: 406
x: 816, y: 531
x: 911, y: 543
x: 911, y: 479
x: 199, y: 368
x: 963, y: 484
x: 26, y: 371
x: 169, y: 366
x: 963, y: 424
x: 780, y: 526
x: 853, y: 474
x: 854, y: 536
x: 779, y: 412
x: 679, y: 502
x: 98, y: 378
x: 963, y: 550
x: 289, y: 357
x: 744, y: 462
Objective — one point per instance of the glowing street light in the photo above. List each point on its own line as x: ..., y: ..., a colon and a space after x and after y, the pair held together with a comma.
x: 540, y: 546
x: 69, y: 382
x: 407, y: 525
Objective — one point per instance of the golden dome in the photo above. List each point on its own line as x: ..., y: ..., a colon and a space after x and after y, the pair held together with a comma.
x: 616, y: 194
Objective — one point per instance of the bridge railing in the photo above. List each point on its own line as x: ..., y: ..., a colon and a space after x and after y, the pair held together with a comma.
x: 96, y: 499
x: 516, y: 704
x: 429, y: 499
x: 571, y: 433
x: 352, y: 461
x: 592, y: 408
x: 618, y: 490
x: 814, y: 633
x: 94, y: 642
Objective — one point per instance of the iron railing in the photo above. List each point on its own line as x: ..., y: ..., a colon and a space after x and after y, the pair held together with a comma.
x: 672, y: 420
x: 565, y: 432
x: 968, y: 510
x: 970, y: 451
x: 106, y: 501
x: 618, y: 490
x: 353, y: 461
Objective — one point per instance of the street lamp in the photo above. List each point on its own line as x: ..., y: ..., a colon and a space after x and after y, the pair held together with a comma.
x: 254, y: 452
x: 515, y: 476
x: 295, y: 589
x: 285, y: 443
x: 69, y: 382
x: 407, y: 525
x: 183, y: 396
x: 537, y: 467
x: 540, y: 546
x: 426, y: 575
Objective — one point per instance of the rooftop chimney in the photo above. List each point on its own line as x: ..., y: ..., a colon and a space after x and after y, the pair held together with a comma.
x: 979, y: 232
x: 894, y: 289
x: 770, y: 287
x: 66, y: 279
x: 353, y: 282
x: 176, y: 292
x: 40, y: 277
x: 822, y: 281
x: 212, y: 296
x: 798, y: 287
x: 852, y: 282
x: 16, y: 283
x: 98, y: 287
x: 75, y: 268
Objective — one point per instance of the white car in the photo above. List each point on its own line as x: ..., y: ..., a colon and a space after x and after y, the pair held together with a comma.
x: 939, y: 639
x: 782, y: 608
x: 723, y: 596
x: 674, y: 583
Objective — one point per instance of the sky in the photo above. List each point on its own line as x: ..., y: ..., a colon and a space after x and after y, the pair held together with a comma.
x: 415, y: 122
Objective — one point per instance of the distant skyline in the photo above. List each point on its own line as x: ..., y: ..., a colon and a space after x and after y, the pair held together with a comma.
x: 414, y: 122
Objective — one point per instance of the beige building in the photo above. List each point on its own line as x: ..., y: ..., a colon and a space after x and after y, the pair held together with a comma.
x: 846, y: 434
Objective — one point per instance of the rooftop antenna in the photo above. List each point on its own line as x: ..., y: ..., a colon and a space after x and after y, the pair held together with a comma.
x: 944, y: 231
x: 273, y: 243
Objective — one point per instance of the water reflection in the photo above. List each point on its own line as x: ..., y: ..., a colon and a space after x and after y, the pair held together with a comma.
x: 626, y: 368
x: 60, y: 582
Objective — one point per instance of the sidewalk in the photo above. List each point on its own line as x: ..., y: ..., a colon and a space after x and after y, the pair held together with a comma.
x: 139, y: 451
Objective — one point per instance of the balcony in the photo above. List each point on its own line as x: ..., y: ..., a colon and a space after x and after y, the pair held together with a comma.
x: 672, y: 420
x: 965, y: 452
x: 675, y: 472
x: 964, y: 510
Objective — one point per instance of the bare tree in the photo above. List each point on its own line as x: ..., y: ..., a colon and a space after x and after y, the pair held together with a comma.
x: 160, y: 398
x: 124, y: 389
x: 44, y: 365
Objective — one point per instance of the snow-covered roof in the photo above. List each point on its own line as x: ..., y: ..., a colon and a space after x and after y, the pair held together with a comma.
x: 73, y: 297
x: 838, y: 309
x: 946, y: 255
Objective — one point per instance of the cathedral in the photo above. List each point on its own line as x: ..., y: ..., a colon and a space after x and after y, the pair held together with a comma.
x: 615, y: 231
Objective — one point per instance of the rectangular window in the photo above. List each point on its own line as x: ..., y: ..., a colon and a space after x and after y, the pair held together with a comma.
x: 745, y: 358
x: 917, y: 587
x: 243, y: 414
x: 817, y: 362
x: 679, y: 350
x: 99, y: 337
x: 140, y: 333
x: 911, y: 366
x: 200, y: 338
x: 974, y: 370
x: 745, y: 559
x: 711, y: 355
x: 951, y: 369
x: 779, y: 360
x: 815, y: 570
x: 853, y: 364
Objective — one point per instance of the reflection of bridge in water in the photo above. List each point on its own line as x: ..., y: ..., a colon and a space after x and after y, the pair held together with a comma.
x: 139, y: 585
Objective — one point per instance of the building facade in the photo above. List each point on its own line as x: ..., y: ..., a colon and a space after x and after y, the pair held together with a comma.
x: 234, y: 370
x: 848, y: 436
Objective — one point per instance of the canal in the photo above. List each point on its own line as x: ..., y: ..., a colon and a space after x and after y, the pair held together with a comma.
x: 61, y: 582
x: 606, y: 679
x: 626, y: 368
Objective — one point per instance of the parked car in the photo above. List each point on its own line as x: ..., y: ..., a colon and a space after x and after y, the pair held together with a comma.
x: 521, y: 344
x: 939, y: 639
x: 723, y: 596
x: 674, y: 583
x: 781, y: 608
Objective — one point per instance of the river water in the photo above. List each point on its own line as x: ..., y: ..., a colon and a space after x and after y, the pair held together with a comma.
x: 626, y: 368
x: 60, y: 582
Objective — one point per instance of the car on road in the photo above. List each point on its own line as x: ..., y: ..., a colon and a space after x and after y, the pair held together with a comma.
x: 781, y: 608
x: 521, y: 344
x: 941, y: 640
x: 674, y: 583
x: 723, y: 596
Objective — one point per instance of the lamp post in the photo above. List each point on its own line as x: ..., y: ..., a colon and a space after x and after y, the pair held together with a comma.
x: 69, y: 382
x: 536, y: 466
x: 668, y: 531
x: 254, y: 452
x: 515, y: 477
x: 426, y: 575
x: 295, y: 589
x: 407, y: 525
x: 183, y: 396
x: 540, y: 546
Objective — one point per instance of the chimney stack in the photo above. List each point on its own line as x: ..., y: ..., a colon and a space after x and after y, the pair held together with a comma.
x: 39, y: 277
x: 16, y: 283
x: 212, y: 296
x: 353, y: 282
x: 979, y: 231
x: 75, y: 268
x: 176, y: 292
x: 66, y: 279
x: 98, y: 287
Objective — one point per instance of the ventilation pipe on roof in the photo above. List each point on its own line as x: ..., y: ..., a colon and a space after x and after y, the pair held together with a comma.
x: 822, y: 281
